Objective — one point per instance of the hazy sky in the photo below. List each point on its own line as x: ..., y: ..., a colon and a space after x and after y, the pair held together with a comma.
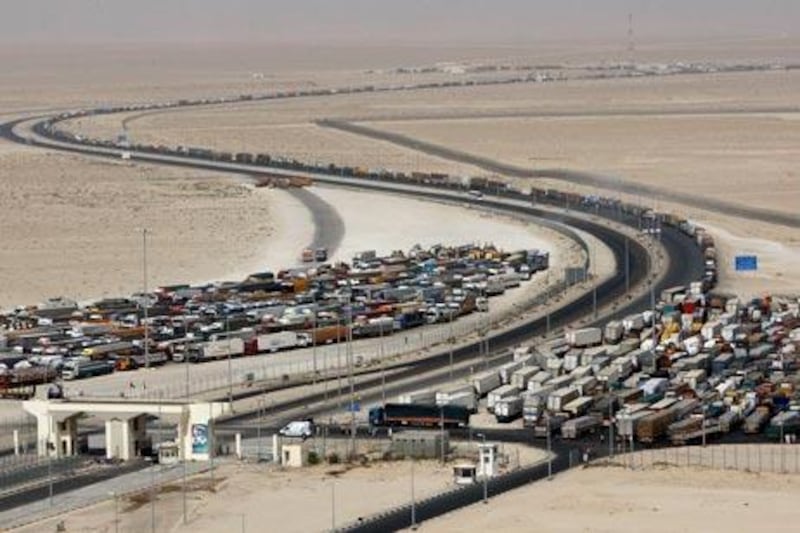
x: 391, y: 22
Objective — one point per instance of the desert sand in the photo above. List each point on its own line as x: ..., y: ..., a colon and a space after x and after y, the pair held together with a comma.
x: 616, y: 500
x: 252, y: 497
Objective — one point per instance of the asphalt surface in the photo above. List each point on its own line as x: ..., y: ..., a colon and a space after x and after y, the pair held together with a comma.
x: 581, y: 178
x: 328, y: 224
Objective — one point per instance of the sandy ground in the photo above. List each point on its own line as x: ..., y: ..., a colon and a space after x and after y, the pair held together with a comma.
x: 73, y: 227
x: 749, y: 158
x: 613, y: 499
x: 264, y: 498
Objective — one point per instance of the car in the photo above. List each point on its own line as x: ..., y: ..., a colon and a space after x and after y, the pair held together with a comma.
x: 298, y: 429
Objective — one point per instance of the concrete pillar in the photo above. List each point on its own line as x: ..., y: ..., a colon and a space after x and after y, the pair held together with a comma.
x: 120, y: 441
x: 195, y: 433
x: 16, y: 442
x: 276, y: 450
x: 239, y: 446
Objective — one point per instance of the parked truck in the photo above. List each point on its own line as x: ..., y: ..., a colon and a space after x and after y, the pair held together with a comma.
x: 80, y: 367
x: 282, y: 340
x: 579, y: 427
x: 560, y: 398
x: 506, y: 391
x: 418, y: 415
x: 211, y: 350
x: 613, y: 332
x: 584, y: 337
x: 757, y: 420
x: 505, y: 371
x: 20, y: 383
x: 486, y: 382
x: 508, y: 409
x: 521, y: 377
x: 424, y: 396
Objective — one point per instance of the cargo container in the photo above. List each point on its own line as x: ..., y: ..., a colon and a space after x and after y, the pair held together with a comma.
x: 613, y: 332
x: 424, y: 397
x: 521, y: 377
x: 548, y: 424
x: 507, y: 369
x: 443, y: 395
x: 579, y: 427
x: 208, y: 351
x: 757, y: 420
x: 486, y: 382
x: 579, y: 406
x: 417, y: 415
x: 505, y: 391
x: 80, y: 368
x: 532, y: 407
x: 560, y: 398
x: 465, y: 399
x: 508, y: 409
x: 283, y: 340
x: 584, y: 337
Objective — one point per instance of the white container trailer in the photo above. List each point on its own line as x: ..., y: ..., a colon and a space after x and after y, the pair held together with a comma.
x: 506, y: 391
x: 508, y: 409
x: 561, y: 397
x: 485, y: 382
x: 507, y: 369
x: 466, y: 399
x: 539, y: 379
x: 633, y: 323
x: 584, y: 337
x: 578, y: 427
x: 711, y: 329
x: 522, y: 353
x: 582, y: 372
x: 443, y: 395
x: 579, y: 406
x: 207, y: 351
x: 562, y: 381
x: 613, y: 332
x: 282, y: 340
x: 423, y: 397
x: 521, y: 377
x: 586, y: 385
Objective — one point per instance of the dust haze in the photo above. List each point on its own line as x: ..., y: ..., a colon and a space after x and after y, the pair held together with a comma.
x: 383, y: 22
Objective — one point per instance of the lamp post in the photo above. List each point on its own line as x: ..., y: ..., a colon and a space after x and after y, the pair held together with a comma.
x: 483, y: 469
x: 549, y: 449
x: 116, y: 511
x: 230, y: 360
x: 145, y: 299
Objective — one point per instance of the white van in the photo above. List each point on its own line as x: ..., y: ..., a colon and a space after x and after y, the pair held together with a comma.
x: 299, y: 429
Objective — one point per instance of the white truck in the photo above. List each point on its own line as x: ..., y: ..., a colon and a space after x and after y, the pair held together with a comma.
x: 281, y: 340
x: 578, y: 427
x: 465, y: 399
x: 208, y: 351
x: 521, y: 377
x: 508, y: 409
x: 486, y: 382
x: 507, y: 369
x: 443, y: 396
x: 613, y: 332
x: 584, y: 337
x: 421, y: 397
x: 560, y: 398
x: 506, y: 391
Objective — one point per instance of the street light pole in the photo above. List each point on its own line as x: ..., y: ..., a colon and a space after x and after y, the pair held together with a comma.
x: 145, y: 299
x: 413, y: 498
x: 230, y: 360
x: 549, y: 450
x: 483, y: 469
x: 452, y: 342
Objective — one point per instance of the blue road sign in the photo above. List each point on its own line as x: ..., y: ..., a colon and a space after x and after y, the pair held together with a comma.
x: 746, y: 262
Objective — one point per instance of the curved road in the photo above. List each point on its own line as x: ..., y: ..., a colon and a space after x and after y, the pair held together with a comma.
x: 580, y: 178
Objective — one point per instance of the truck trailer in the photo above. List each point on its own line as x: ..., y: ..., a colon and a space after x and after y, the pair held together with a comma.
x: 418, y: 415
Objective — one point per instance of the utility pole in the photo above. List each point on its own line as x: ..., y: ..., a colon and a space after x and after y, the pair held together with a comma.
x: 230, y: 360
x: 611, y: 429
x: 627, y: 267
x: 549, y: 450
x: 441, y: 425
x: 145, y: 300
x: 351, y: 369
x: 452, y: 343
x: 314, y: 341
x: 383, y: 368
